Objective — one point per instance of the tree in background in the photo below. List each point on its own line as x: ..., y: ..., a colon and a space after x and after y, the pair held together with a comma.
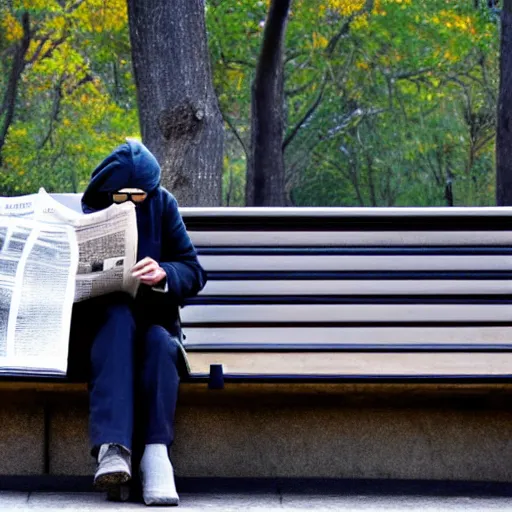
x: 17, y: 65
x: 419, y: 94
x: 178, y: 110
x: 386, y: 102
x: 504, y: 131
x: 267, y: 182
x: 66, y: 91
x: 265, y: 176
x: 390, y: 102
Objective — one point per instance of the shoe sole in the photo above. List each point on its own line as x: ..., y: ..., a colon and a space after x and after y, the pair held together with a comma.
x: 173, y: 502
x: 108, y: 480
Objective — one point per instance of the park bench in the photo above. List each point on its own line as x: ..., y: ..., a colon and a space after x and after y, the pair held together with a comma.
x: 352, y: 294
x: 354, y: 342
x: 349, y: 294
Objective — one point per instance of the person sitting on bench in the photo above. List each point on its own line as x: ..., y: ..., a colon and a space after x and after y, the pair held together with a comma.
x: 132, y: 346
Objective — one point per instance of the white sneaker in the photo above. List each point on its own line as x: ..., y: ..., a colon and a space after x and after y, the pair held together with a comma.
x: 157, y: 476
x: 114, y: 466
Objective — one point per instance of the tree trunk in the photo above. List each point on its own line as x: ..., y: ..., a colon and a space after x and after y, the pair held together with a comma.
x: 265, y: 171
x: 178, y: 110
x: 504, y: 128
x: 18, y: 65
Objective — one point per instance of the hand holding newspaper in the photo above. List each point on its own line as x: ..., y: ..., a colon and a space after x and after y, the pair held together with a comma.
x: 50, y: 257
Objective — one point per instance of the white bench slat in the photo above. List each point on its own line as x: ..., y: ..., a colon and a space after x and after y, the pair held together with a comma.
x: 300, y: 313
x: 354, y: 363
x: 358, y: 287
x: 333, y: 212
x: 308, y: 336
x: 348, y: 238
x: 355, y: 263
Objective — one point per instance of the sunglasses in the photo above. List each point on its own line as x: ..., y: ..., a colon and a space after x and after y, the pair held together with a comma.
x: 122, y: 196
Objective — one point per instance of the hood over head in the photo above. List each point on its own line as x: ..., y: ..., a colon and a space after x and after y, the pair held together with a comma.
x: 131, y: 165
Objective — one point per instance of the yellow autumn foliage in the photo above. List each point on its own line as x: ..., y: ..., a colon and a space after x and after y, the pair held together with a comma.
x: 11, y: 27
x: 34, y: 4
x: 450, y: 57
x: 319, y: 41
x: 343, y: 7
x: 58, y: 23
x: 18, y: 132
x: 235, y: 76
x: 450, y: 19
x: 100, y: 16
x: 360, y: 22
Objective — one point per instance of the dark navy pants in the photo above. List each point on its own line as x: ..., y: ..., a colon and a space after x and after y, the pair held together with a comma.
x: 132, y: 367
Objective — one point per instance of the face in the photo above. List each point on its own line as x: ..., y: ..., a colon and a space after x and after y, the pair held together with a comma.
x: 135, y: 195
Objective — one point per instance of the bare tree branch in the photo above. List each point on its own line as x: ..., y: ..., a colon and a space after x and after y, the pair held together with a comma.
x: 59, y: 91
x: 351, y: 173
x: 346, y: 26
x: 232, y: 127
x: 39, y: 48
x: 240, y: 62
x: 402, y: 75
x: 74, y: 6
x: 483, y: 142
x: 292, y: 92
x: 88, y: 77
x: 55, y: 44
x: 293, y: 56
x: 55, y: 111
x: 291, y: 135
x: 357, y: 113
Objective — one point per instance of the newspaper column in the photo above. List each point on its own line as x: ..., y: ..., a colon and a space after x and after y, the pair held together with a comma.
x: 37, y: 282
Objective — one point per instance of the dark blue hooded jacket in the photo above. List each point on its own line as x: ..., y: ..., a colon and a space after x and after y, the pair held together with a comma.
x: 161, y: 231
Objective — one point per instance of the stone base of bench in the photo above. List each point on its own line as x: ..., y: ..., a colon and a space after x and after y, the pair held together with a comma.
x: 402, y: 431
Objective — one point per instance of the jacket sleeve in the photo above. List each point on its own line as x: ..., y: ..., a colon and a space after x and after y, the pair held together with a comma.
x: 185, y: 276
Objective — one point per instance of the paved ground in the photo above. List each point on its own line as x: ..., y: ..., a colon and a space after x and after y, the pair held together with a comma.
x: 278, y: 496
x: 37, y: 501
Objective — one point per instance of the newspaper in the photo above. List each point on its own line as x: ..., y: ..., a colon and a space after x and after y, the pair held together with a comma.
x: 50, y: 257
x: 23, y: 206
x: 37, y: 283
x: 107, y: 245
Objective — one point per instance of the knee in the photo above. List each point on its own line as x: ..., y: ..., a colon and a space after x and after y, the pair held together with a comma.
x: 119, y: 310
x: 159, y: 343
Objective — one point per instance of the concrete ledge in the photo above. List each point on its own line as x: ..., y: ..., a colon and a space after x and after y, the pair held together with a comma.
x: 69, y: 452
x: 343, y: 442
x: 443, y: 432
x: 21, y: 439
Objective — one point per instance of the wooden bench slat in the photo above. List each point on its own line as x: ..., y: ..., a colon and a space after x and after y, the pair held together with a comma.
x: 311, y: 337
x: 328, y: 212
x: 354, y: 263
x: 356, y: 287
x: 349, y: 238
x: 367, y: 313
x: 356, y: 364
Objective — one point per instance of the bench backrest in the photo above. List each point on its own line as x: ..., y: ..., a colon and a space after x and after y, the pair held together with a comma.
x: 353, y: 292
